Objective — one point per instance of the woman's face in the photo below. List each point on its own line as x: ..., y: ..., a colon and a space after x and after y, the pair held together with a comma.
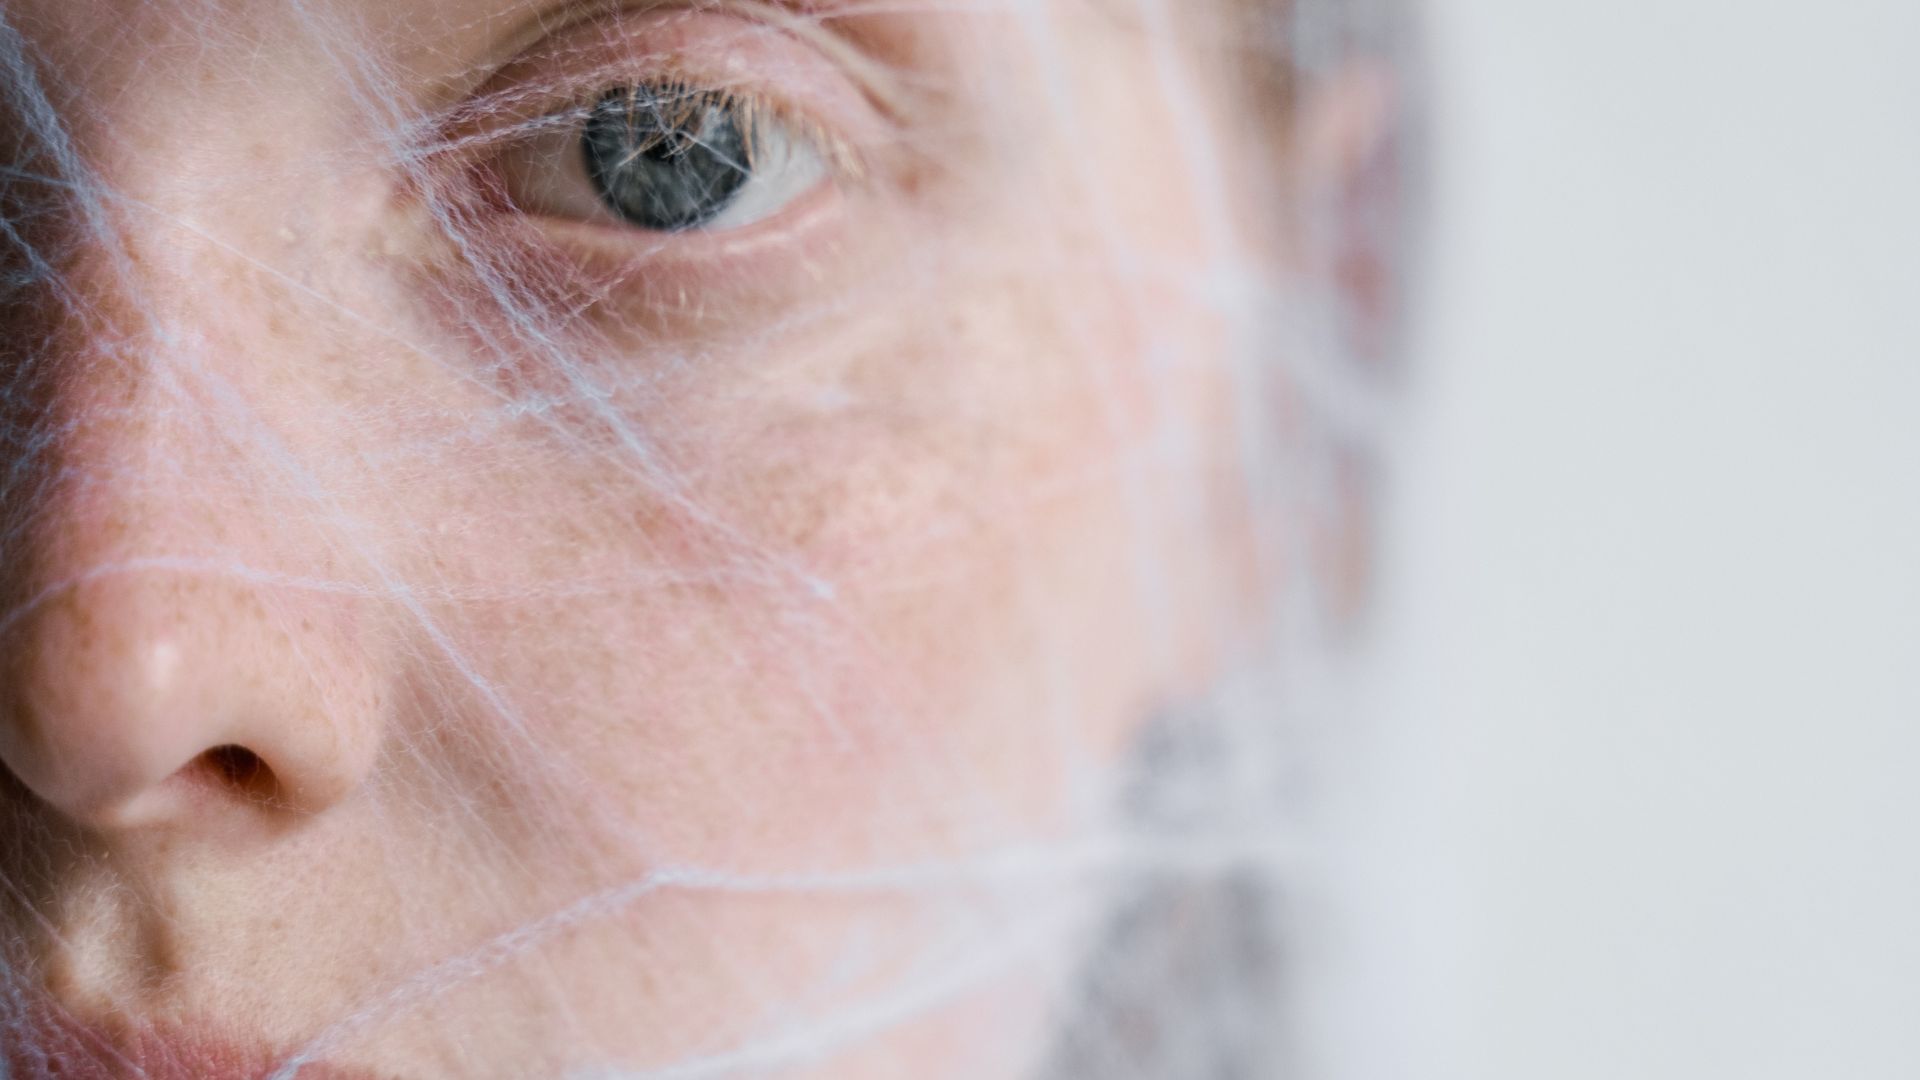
x: 562, y: 536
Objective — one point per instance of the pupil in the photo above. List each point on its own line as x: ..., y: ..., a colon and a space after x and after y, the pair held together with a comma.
x: 665, y: 158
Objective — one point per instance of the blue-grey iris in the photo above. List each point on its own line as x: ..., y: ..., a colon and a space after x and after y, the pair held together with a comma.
x: 666, y: 157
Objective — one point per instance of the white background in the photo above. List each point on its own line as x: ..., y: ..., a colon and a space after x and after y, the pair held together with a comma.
x: 1642, y: 799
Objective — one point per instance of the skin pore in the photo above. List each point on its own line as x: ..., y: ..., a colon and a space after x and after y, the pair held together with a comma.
x: 453, y: 632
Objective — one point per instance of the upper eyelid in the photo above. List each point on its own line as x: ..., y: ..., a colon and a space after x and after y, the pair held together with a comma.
x: 563, y: 110
x: 880, y: 82
x: 874, y: 77
x: 523, y: 108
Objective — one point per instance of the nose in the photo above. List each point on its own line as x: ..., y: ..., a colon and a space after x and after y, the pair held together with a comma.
x: 178, y: 644
x: 147, y: 693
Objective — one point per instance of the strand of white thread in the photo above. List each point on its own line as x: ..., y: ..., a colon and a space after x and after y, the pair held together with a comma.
x: 1114, y: 856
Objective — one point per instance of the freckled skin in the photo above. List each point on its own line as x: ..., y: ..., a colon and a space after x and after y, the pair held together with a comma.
x: 834, y: 568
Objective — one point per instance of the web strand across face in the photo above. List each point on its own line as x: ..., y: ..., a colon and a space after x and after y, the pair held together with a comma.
x: 649, y: 539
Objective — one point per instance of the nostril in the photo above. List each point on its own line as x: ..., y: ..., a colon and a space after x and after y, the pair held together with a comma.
x: 241, y: 771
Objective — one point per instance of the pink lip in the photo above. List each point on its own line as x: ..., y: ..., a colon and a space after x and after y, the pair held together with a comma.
x: 51, y: 1046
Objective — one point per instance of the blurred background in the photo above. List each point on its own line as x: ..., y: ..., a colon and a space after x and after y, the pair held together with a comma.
x: 1638, y: 792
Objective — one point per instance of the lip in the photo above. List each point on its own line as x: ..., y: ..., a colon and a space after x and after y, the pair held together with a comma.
x: 53, y: 1046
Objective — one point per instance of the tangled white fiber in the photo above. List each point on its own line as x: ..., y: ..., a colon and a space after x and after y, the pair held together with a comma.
x: 677, y: 538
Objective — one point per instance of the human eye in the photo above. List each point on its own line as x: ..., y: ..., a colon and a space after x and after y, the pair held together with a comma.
x: 660, y: 131
x: 666, y: 155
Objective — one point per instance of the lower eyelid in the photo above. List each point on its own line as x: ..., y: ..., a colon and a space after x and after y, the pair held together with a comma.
x: 716, y: 258
x: 631, y: 289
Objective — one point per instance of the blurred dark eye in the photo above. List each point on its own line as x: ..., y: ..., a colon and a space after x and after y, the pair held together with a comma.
x: 664, y: 157
x: 667, y: 158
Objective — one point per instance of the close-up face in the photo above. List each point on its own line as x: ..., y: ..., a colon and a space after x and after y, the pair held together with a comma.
x: 551, y: 538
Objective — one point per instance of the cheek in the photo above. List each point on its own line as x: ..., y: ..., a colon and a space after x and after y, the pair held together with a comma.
x: 863, y: 610
x: 870, y: 602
